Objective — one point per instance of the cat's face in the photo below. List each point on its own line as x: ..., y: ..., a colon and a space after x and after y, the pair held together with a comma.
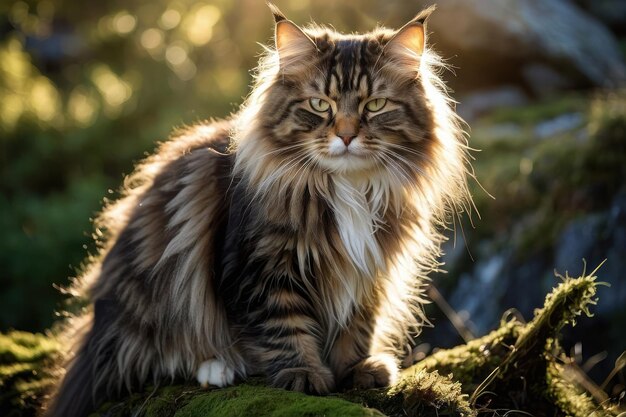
x: 348, y: 103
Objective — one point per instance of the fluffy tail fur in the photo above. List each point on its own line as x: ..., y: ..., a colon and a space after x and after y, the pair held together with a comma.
x: 75, y: 397
x: 78, y: 394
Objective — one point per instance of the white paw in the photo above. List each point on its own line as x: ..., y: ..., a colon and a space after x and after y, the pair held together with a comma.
x: 215, y: 372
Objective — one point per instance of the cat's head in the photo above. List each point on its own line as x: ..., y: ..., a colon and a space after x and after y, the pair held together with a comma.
x: 348, y: 103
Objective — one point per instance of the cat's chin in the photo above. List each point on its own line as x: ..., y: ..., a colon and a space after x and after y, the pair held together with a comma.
x: 347, y: 163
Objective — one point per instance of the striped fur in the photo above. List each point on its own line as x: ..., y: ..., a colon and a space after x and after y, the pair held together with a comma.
x: 287, y: 241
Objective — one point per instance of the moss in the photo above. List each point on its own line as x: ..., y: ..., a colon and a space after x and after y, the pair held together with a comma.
x: 471, y: 363
x: 418, y: 393
x: 251, y: 398
x: 516, y: 368
x: 568, y: 397
x: 512, y: 367
x: 544, y: 110
x: 24, y: 362
x: 25, y: 347
x: 254, y: 400
x: 424, y: 391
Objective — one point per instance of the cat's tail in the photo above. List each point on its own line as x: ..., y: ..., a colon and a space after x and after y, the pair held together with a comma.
x: 83, y: 387
x: 75, y: 396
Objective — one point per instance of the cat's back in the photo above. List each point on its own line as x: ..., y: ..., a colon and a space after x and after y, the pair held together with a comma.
x: 173, y: 201
x: 151, y: 283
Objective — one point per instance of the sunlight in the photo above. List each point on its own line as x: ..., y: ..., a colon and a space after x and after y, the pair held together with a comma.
x: 178, y: 59
x: 152, y: 40
x: 89, y: 91
x: 170, y: 19
x: 198, y: 24
x: 176, y: 53
x: 124, y: 23
x: 11, y: 108
x: 113, y: 89
x: 44, y: 99
x: 82, y: 106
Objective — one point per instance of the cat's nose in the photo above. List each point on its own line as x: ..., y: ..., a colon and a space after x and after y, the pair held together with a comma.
x: 347, y: 138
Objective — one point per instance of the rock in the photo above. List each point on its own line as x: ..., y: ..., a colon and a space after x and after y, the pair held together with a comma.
x: 595, y: 238
x: 480, y: 102
x: 492, y: 41
x: 473, y: 292
x: 611, y: 12
x: 544, y: 80
x: 558, y: 125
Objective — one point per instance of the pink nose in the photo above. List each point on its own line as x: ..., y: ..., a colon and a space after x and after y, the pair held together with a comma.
x: 347, y: 138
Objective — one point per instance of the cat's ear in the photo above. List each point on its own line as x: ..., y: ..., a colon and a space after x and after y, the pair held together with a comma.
x: 410, y: 39
x: 278, y: 15
x: 294, y: 47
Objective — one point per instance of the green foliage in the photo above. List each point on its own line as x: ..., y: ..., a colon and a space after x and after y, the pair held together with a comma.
x: 87, y: 91
x: 69, y: 132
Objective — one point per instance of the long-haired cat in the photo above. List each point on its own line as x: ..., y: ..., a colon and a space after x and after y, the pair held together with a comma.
x: 290, y: 241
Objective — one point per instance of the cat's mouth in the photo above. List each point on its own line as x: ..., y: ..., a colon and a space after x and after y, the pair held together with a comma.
x: 347, y: 153
x: 338, y: 148
x: 347, y: 161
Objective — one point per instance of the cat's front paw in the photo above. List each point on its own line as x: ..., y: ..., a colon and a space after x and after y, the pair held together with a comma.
x: 215, y: 372
x: 314, y: 380
x: 375, y: 371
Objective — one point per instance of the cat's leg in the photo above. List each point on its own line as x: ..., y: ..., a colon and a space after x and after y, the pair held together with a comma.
x: 361, y: 358
x: 285, y: 340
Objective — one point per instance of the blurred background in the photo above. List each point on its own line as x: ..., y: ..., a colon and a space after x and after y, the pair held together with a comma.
x: 87, y: 91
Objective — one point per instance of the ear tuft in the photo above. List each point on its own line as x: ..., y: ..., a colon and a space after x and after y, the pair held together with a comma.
x: 278, y: 15
x: 424, y: 14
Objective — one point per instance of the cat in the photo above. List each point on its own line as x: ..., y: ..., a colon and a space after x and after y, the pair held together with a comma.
x: 292, y: 240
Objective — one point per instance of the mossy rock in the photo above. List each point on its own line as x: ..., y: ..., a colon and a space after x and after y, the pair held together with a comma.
x: 541, y: 185
x: 516, y: 367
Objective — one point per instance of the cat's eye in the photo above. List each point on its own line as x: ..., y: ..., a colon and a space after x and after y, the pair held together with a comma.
x: 319, y: 105
x: 376, y: 105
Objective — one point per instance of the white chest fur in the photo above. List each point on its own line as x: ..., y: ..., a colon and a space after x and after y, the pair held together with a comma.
x: 358, y: 207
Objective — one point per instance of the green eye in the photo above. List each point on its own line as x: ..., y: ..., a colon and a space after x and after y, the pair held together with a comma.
x: 319, y: 105
x: 376, y: 104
